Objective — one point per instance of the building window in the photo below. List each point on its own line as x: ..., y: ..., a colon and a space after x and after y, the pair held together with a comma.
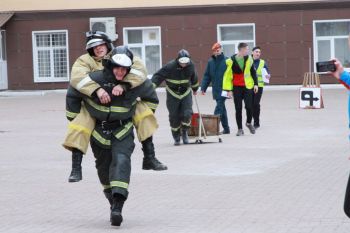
x: 145, y: 42
x: 331, y: 40
x: 50, y: 56
x: 3, y: 45
x: 230, y: 35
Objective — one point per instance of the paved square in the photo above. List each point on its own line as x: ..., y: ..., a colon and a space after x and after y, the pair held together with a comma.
x: 288, y: 178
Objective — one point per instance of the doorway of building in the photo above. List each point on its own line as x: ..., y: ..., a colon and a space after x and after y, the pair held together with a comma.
x: 3, y: 61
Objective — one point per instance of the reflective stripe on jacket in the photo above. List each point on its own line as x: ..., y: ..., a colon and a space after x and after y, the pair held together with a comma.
x: 120, y: 108
x: 259, y: 73
x: 179, y: 81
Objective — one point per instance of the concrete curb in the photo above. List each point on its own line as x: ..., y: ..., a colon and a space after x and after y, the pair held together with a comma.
x: 31, y: 93
x: 159, y: 90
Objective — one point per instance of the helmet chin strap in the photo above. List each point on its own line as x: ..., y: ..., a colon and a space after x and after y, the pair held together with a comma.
x: 120, y: 79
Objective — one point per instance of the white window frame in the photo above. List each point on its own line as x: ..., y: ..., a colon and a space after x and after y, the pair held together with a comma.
x: 38, y: 79
x: 142, y: 45
x: 236, y: 42
x: 331, y: 38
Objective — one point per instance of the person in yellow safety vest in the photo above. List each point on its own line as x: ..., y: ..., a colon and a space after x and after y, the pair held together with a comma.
x: 240, y: 82
x: 259, y: 65
x: 98, y: 47
x: 180, y: 77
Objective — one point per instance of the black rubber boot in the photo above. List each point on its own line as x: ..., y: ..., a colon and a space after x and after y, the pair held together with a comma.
x: 176, y: 136
x: 76, y: 175
x: 116, y: 211
x: 185, y: 136
x: 109, y: 196
x: 150, y: 162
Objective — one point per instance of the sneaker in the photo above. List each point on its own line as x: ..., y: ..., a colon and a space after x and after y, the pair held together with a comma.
x: 256, y: 127
x: 251, y: 128
x: 240, y: 132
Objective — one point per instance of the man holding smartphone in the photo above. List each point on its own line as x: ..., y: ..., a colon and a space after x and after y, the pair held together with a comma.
x: 344, y: 78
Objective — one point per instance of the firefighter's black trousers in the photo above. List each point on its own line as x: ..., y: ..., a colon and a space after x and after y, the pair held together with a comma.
x: 180, y: 111
x: 114, y: 165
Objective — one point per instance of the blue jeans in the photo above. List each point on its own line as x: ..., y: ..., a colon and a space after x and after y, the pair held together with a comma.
x: 220, y: 109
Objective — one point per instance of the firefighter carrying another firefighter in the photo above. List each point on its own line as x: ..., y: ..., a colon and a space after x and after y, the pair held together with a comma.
x: 112, y: 138
x: 98, y: 47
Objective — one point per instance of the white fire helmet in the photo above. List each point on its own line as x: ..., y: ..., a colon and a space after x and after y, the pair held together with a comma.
x: 121, y: 60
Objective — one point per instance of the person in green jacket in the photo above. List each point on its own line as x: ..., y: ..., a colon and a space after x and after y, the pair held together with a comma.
x: 240, y: 82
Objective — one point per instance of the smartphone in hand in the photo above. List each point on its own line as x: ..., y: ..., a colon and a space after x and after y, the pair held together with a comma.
x: 325, y: 66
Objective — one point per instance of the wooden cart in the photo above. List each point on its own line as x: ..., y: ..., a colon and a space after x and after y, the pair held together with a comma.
x: 204, y: 126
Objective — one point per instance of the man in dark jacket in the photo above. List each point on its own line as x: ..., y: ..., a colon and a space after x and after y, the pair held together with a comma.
x: 180, y: 77
x: 214, y: 74
x: 112, y: 140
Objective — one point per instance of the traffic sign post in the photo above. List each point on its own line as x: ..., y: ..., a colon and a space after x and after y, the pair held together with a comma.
x: 311, y: 94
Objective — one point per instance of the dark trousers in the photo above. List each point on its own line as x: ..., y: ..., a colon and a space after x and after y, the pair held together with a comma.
x: 180, y: 111
x: 220, y: 109
x: 256, y: 106
x: 241, y: 94
x: 114, y: 165
x: 347, y: 199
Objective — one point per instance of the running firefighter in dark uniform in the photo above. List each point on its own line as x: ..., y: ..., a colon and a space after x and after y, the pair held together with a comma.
x: 181, y: 79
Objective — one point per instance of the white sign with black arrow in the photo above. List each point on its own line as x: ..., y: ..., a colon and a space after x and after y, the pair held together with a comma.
x: 310, y: 97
